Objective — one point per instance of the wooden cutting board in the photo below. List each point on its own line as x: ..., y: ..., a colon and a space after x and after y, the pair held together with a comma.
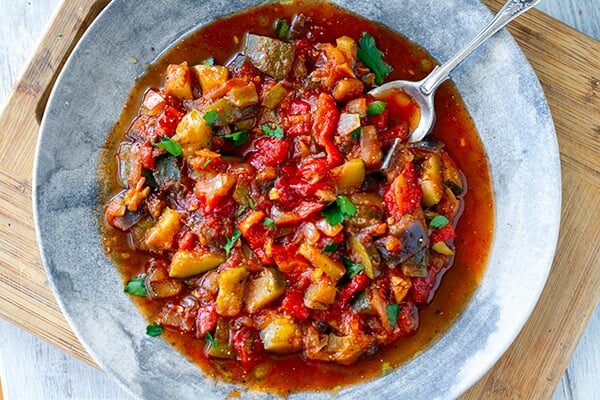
x: 568, y: 65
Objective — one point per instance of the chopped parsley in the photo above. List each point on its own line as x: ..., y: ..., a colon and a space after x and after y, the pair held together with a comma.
x: 269, y: 223
x: 439, y: 221
x: 355, y: 134
x: 392, y: 313
x: 211, y: 117
x: 170, y: 146
x: 154, y: 330
x: 238, y: 138
x: 376, y: 108
x: 231, y: 241
x: 337, y: 210
x: 209, y: 61
x: 276, y: 132
x: 371, y: 56
x: 136, y: 286
x: 282, y: 28
x: 212, y: 342
x: 352, y: 268
x: 330, y: 248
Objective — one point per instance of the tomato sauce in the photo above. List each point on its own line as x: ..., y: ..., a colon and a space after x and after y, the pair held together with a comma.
x: 290, y: 373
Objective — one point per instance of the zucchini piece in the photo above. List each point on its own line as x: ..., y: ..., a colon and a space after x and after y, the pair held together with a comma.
x: 416, y: 266
x: 361, y: 304
x: 282, y: 335
x: 224, y: 111
x: 210, y: 76
x: 275, y: 95
x: 442, y: 248
x: 220, y: 347
x: 186, y: 263
x: 431, y: 181
x: 193, y: 133
x: 270, y: 56
x: 178, y: 81
x: 232, y: 289
x: 320, y: 295
x: 266, y: 288
x: 451, y: 174
x: 162, y: 234
x: 243, y: 96
x: 349, y: 176
x: 158, y: 284
x: 331, y: 267
x: 361, y: 251
x: 138, y: 232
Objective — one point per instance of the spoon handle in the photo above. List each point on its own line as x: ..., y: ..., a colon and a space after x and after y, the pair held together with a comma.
x: 511, y: 10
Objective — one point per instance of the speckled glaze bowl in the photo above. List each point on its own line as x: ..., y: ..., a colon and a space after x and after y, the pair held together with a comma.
x: 501, y: 92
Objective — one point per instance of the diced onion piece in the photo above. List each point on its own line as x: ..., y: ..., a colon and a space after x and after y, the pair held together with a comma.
x: 348, y: 123
x: 327, y: 229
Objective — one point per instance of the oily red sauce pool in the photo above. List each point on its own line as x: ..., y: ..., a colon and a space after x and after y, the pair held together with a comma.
x: 244, y: 211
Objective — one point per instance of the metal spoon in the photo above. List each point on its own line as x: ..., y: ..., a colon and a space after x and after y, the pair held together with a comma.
x: 423, y: 91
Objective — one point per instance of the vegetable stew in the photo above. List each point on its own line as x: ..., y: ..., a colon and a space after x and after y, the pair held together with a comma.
x: 245, y: 207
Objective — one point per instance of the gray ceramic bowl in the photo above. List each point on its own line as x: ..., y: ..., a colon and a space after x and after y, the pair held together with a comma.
x: 502, y: 94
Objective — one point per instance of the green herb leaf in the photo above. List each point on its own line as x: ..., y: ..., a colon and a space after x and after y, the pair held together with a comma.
x: 355, y: 134
x: 269, y: 223
x: 238, y: 138
x: 352, y: 268
x: 211, y: 117
x: 392, y: 313
x: 371, y: 56
x: 439, y: 221
x: 330, y: 248
x: 209, y: 61
x: 231, y: 241
x: 274, y: 133
x: 376, y: 108
x: 154, y: 330
x: 282, y: 28
x: 240, y: 210
x: 212, y: 342
x: 170, y: 146
x: 347, y: 207
x: 136, y: 286
x: 338, y: 209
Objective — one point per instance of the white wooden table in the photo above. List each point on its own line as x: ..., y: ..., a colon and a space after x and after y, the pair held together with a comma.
x: 31, y: 369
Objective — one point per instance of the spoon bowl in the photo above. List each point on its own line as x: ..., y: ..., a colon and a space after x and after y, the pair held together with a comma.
x: 423, y: 91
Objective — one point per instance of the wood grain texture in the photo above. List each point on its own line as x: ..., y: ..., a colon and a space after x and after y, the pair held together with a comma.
x: 26, y: 300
